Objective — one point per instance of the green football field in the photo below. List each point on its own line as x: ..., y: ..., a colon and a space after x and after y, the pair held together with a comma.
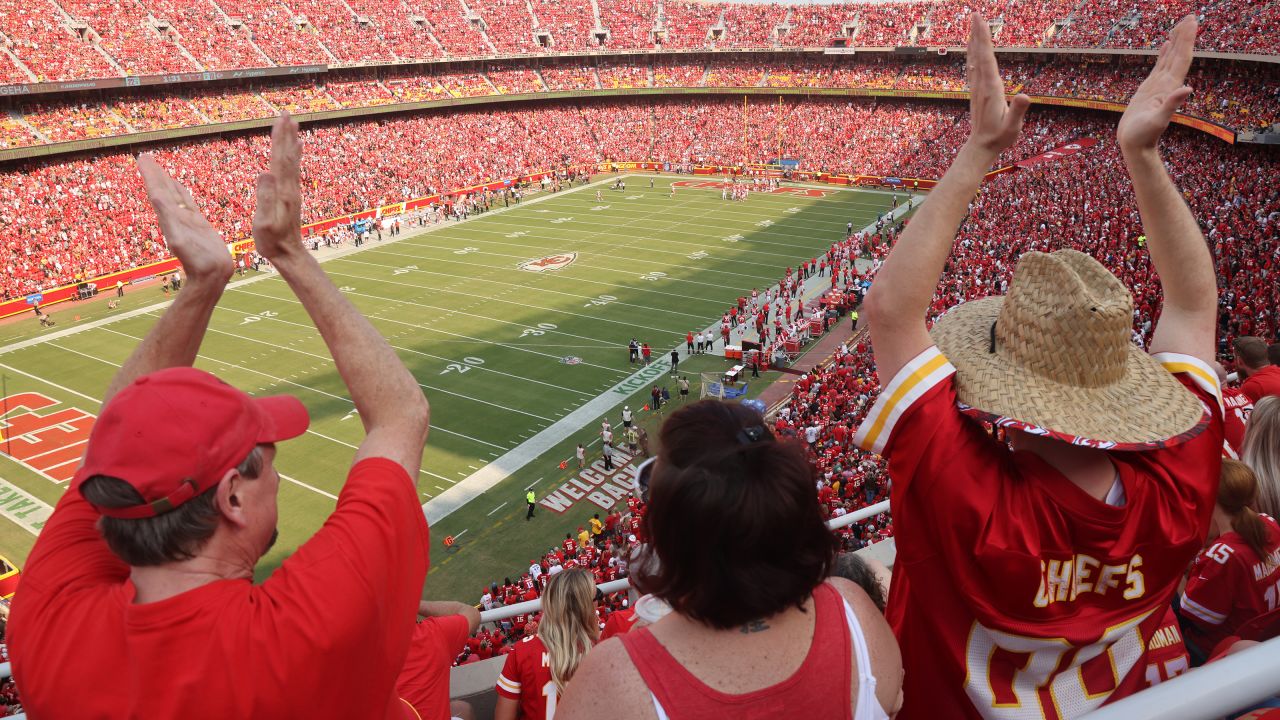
x: 519, y: 365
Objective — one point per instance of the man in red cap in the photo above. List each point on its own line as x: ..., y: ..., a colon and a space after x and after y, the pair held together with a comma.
x: 138, y: 598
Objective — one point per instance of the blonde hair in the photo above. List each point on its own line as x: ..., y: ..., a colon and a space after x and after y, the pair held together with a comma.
x: 569, y: 625
x: 1262, y: 453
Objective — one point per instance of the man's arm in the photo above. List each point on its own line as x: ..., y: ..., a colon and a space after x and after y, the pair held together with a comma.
x: 444, y: 608
x: 175, y: 339
x: 390, y: 402
x: 896, y: 304
x: 1188, y: 317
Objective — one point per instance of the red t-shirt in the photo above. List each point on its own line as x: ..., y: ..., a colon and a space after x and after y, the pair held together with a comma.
x: 1230, y: 585
x: 424, y: 681
x: 619, y: 623
x: 1262, y: 383
x: 1014, y: 591
x: 526, y: 677
x: 324, y: 636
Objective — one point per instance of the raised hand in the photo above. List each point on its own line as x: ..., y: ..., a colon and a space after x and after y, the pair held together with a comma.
x: 188, y: 234
x: 994, y: 124
x: 1152, y: 106
x: 277, y: 220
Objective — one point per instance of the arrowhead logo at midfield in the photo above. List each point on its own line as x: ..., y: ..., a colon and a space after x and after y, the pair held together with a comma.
x: 550, y: 262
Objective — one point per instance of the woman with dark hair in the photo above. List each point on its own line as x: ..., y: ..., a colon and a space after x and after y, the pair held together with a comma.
x: 757, y: 628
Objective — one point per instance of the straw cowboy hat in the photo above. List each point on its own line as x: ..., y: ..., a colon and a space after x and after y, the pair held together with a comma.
x: 1055, y: 357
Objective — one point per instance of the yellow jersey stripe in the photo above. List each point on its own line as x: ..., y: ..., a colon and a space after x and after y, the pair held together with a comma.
x: 909, y: 384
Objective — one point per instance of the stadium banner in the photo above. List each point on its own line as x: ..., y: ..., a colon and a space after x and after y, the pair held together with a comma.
x: 1225, y: 134
x: 393, y: 209
x: 19, y: 305
x: 1066, y: 149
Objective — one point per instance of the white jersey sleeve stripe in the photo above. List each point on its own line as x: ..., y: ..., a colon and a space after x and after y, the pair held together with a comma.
x: 915, y: 379
x: 1196, y: 609
x: 506, y: 683
x: 1195, y: 368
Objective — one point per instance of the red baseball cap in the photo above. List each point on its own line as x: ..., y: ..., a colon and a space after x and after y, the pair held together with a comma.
x: 175, y: 433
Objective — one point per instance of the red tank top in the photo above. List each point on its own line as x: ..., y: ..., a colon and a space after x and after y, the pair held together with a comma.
x: 820, y: 688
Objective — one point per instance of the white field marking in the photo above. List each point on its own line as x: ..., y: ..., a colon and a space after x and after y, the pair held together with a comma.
x: 322, y: 256
x: 491, y: 512
x: 309, y: 487
x: 655, y: 245
x: 324, y: 357
x: 526, y: 452
x: 535, y: 482
x: 469, y: 337
x: 67, y: 389
x: 630, y: 325
x: 282, y: 381
x: 602, y: 345
x: 464, y: 532
x: 750, y: 225
x: 613, y: 229
x: 535, y: 288
x: 585, y: 266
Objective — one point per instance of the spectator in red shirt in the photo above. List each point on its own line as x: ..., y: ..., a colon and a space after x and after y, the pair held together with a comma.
x: 1059, y: 488
x: 138, y: 598
x: 1260, y: 377
x: 437, y: 639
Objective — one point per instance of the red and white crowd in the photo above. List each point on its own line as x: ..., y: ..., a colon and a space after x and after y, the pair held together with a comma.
x: 80, y: 39
x: 87, y: 216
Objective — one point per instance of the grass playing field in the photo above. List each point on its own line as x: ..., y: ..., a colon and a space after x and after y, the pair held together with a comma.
x: 492, y: 345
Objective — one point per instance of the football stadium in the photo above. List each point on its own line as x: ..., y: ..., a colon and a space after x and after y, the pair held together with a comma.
x: 639, y: 359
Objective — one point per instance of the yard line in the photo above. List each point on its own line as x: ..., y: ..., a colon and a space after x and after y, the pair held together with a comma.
x: 283, y: 381
x: 629, y: 325
x: 464, y: 532
x: 536, y: 288
x: 491, y: 512
x: 323, y: 357
x: 516, y: 259
x: 480, y: 341
x: 49, y: 383
x: 309, y: 487
x: 426, y: 354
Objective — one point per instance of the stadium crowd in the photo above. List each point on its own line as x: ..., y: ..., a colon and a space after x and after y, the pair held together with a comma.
x: 143, y: 37
x: 1164, y: 237
x: 48, y: 205
x: 1228, y: 93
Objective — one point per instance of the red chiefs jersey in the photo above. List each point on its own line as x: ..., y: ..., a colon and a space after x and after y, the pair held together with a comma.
x: 1237, y: 407
x: 526, y: 677
x: 1016, y: 594
x: 1230, y: 585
